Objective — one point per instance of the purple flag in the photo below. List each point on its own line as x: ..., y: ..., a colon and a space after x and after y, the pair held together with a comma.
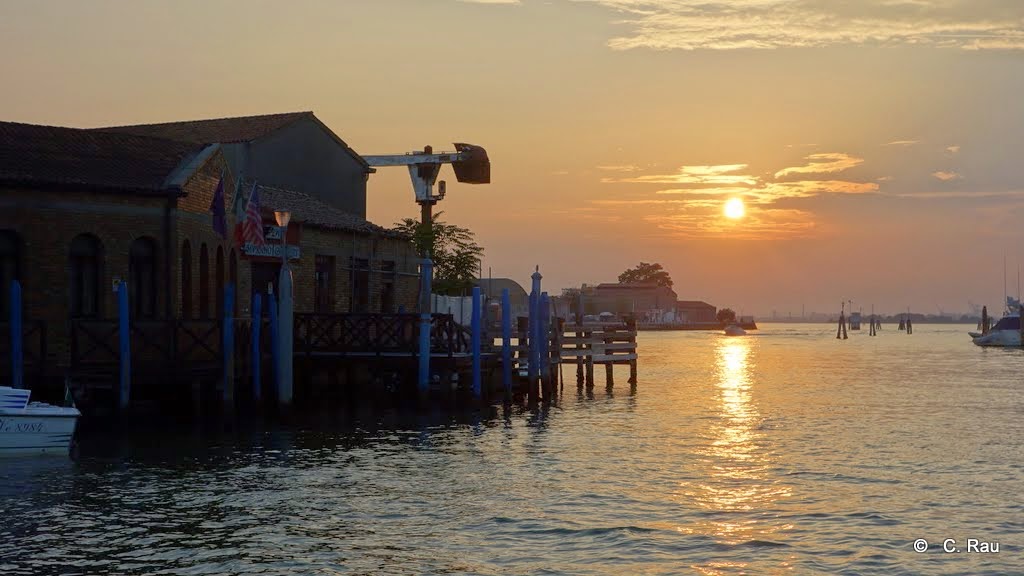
x: 220, y: 222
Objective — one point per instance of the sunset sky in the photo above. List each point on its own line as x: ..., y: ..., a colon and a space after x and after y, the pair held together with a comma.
x: 878, y: 145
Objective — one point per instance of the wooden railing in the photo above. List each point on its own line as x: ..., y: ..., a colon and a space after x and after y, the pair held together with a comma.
x: 376, y: 334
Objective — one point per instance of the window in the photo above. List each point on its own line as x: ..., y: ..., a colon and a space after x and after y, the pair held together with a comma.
x: 204, y: 282
x: 324, y: 284
x: 84, y: 262
x: 142, y: 278
x: 387, y: 289
x: 360, y: 279
x: 10, y: 268
x: 219, y: 296
x: 186, y: 280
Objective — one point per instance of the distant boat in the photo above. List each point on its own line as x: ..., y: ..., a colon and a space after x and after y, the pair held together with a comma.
x: 33, y: 427
x: 1006, y: 332
x: 734, y: 330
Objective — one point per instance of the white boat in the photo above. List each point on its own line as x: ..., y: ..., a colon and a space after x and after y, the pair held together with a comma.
x: 734, y: 330
x: 33, y: 427
x: 1006, y: 332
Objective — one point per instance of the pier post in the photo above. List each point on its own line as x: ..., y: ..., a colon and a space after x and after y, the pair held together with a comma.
x: 475, y: 336
x: 124, y: 347
x: 17, y: 346
x: 272, y: 314
x: 423, y: 374
x: 257, y: 321
x: 285, y: 338
x: 544, y: 345
x: 535, y: 334
x: 579, y: 338
x: 506, y: 341
x: 631, y: 327
x: 984, y: 320
x: 228, y: 346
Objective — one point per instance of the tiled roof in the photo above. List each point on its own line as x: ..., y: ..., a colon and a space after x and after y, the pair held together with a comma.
x: 33, y: 155
x: 313, y: 212
x: 218, y: 130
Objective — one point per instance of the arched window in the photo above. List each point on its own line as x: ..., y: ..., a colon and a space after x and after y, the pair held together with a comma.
x: 186, y: 280
x: 233, y: 277
x: 85, y: 261
x: 204, y: 282
x: 142, y: 285
x: 219, y: 272
x: 10, y: 269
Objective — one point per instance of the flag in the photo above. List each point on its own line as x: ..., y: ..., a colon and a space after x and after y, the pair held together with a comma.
x: 238, y: 209
x: 220, y: 224
x: 252, y: 230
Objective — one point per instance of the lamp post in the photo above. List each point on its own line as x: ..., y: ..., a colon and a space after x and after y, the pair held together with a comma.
x: 285, y: 334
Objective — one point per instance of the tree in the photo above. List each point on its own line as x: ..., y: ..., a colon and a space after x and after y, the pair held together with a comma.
x: 453, y: 249
x: 726, y: 316
x: 646, y: 273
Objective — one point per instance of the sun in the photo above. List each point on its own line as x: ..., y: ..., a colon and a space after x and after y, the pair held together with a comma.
x: 734, y: 209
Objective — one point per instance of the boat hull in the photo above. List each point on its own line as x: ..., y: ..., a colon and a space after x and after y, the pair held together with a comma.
x: 999, y: 338
x: 26, y: 433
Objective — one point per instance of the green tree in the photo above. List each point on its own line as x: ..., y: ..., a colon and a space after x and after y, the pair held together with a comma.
x: 646, y: 273
x: 453, y: 249
x: 726, y: 316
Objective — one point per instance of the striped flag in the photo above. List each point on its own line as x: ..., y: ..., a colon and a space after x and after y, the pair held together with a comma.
x: 252, y: 229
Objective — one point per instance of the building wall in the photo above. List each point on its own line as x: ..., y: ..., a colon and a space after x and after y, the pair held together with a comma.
x: 46, y: 223
x: 693, y: 313
x: 303, y: 157
x: 622, y: 298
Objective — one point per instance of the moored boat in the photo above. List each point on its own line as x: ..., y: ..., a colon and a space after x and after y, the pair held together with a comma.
x: 734, y: 330
x: 34, y: 427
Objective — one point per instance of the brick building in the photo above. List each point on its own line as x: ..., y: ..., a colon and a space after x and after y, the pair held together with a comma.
x: 84, y: 209
x: 629, y: 298
x: 696, y: 312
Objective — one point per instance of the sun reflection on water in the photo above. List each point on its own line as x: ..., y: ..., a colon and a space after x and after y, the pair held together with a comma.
x: 733, y: 481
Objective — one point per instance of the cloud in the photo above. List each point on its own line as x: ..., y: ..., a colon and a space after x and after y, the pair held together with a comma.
x: 491, y: 1
x: 953, y: 149
x: 710, y: 175
x: 903, y: 143
x: 828, y: 163
x: 620, y: 168
x: 770, y: 24
x: 946, y: 176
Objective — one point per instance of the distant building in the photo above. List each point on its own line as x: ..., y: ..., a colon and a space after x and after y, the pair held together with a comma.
x: 492, y: 287
x: 640, y: 298
x: 291, y: 151
x: 696, y: 312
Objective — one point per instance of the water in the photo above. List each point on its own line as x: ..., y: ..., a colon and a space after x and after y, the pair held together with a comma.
x: 782, y: 452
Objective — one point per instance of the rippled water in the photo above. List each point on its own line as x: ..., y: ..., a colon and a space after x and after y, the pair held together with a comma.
x: 782, y: 452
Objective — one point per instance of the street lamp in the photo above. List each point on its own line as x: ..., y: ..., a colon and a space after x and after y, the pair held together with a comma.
x: 284, y: 320
x: 283, y: 217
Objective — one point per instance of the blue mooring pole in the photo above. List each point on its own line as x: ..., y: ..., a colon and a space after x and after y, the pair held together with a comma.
x: 229, y: 346
x: 257, y: 320
x: 17, y: 348
x: 531, y: 334
x: 124, y: 346
x: 475, y: 335
x: 545, y: 333
x: 506, y: 340
x: 426, y: 274
x: 535, y: 331
x: 272, y: 309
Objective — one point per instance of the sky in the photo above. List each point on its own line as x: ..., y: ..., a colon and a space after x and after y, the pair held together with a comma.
x: 877, y: 145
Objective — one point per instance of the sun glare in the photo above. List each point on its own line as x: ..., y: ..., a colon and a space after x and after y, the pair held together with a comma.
x: 734, y: 209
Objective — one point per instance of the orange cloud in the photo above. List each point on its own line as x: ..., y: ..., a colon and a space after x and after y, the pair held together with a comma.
x: 827, y: 163
x: 946, y: 176
x: 719, y: 174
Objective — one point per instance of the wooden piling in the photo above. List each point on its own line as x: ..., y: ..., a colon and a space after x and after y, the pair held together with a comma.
x: 631, y: 327
x: 506, y: 341
x: 475, y: 336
